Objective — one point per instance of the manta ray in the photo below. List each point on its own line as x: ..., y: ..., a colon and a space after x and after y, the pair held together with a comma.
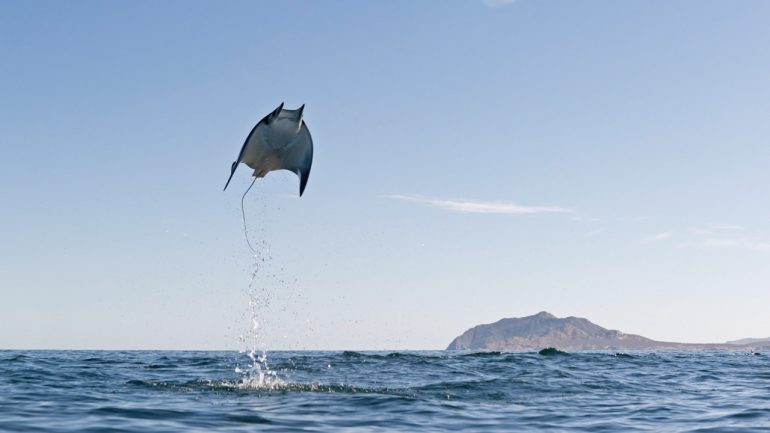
x: 280, y: 141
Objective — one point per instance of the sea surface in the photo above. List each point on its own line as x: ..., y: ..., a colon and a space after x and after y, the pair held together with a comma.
x: 181, y: 391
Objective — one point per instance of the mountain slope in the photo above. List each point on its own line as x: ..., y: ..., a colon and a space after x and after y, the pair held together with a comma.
x: 546, y: 330
x: 757, y: 341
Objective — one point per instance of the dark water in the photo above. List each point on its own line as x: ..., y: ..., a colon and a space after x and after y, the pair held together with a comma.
x: 95, y: 391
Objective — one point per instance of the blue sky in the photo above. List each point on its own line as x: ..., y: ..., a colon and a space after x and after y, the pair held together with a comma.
x: 473, y: 160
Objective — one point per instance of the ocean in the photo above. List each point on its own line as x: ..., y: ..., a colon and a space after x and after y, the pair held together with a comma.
x: 188, y: 391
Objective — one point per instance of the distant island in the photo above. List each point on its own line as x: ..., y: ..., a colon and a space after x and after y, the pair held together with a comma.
x: 756, y: 341
x: 570, y: 333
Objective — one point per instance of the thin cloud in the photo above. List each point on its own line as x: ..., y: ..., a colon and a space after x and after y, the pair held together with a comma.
x: 656, y: 237
x: 722, y: 243
x: 724, y: 236
x: 595, y: 232
x: 497, y: 3
x: 697, y: 231
x: 483, y: 207
x: 713, y: 229
x: 719, y: 226
x: 587, y: 219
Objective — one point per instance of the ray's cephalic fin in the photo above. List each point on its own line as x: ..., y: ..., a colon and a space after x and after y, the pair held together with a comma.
x: 272, y: 116
x: 232, y: 172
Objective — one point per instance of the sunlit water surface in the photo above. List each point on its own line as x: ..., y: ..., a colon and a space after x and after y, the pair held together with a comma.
x: 171, y: 391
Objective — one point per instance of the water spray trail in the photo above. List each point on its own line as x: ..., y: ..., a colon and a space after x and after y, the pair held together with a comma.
x: 257, y: 373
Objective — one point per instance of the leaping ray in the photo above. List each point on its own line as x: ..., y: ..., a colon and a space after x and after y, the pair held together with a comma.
x: 280, y: 141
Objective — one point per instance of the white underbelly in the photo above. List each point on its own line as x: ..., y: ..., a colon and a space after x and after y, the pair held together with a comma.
x: 260, y: 157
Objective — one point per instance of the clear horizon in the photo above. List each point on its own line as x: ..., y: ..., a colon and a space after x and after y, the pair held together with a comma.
x: 738, y: 342
x: 474, y: 160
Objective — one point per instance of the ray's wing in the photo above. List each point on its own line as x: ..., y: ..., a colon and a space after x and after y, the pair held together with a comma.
x: 240, y: 154
x: 267, y: 119
x: 299, y: 159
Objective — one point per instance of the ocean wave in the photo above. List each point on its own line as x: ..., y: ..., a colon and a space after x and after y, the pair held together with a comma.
x: 385, y: 391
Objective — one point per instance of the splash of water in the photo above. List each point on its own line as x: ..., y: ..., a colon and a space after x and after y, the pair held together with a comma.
x: 257, y: 373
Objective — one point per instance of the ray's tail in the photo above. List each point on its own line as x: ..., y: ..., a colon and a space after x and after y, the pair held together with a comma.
x: 243, y: 216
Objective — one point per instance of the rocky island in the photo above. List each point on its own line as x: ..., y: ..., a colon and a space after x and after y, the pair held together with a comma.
x: 569, y: 333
